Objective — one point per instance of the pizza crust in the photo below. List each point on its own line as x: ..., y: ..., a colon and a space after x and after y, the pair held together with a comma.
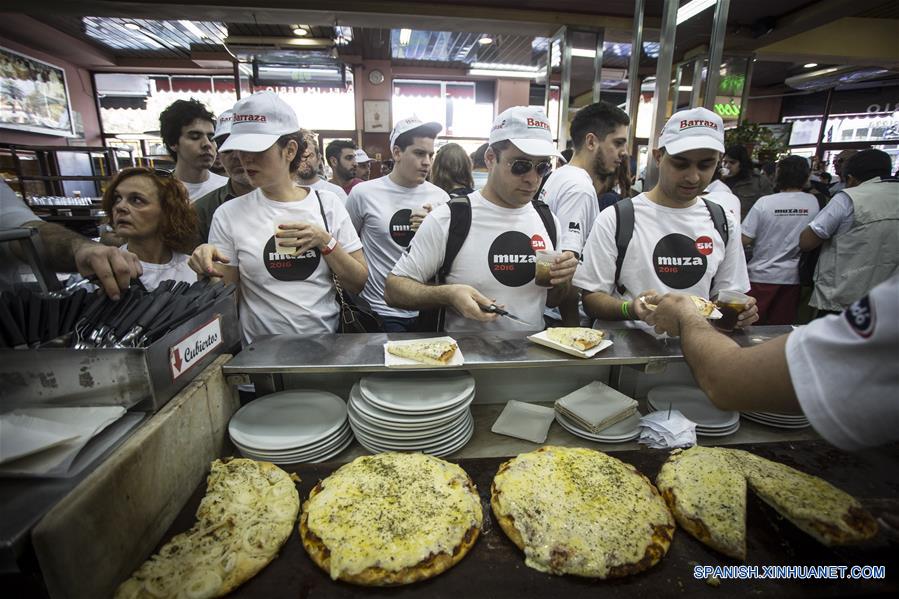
x: 564, y: 555
x: 459, y: 501
x: 438, y: 353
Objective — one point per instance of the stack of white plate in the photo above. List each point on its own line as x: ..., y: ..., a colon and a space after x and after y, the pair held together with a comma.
x: 620, y: 432
x: 696, y: 406
x: 292, y: 426
x: 777, y: 420
x: 420, y: 411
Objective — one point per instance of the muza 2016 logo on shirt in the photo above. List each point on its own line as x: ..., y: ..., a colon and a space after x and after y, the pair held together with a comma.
x: 860, y: 316
x: 401, y: 228
x: 511, y: 258
x: 290, y: 267
x: 680, y: 262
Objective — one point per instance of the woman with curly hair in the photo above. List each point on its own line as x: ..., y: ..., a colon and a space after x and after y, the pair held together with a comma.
x: 151, y: 212
x: 451, y: 171
x: 738, y: 173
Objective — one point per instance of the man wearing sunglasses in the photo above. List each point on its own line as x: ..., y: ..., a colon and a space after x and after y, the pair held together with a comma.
x: 495, y: 264
x: 678, y: 241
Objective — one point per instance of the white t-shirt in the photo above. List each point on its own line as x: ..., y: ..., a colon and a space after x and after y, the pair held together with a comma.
x: 570, y: 195
x: 775, y: 223
x: 328, y: 186
x: 497, y: 259
x: 380, y: 211
x: 843, y: 369
x: 836, y: 217
x: 197, y: 190
x: 281, y: 293
x: 721, y: 194
x: 175, y: 269
x: 672, y: 249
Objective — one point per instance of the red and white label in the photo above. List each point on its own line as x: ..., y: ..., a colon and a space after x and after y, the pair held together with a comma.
x: 191, y: 350
x: 704, y: 245
x: 537, y: 243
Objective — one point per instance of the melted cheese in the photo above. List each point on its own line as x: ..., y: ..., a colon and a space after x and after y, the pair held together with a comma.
x: 583, y: 504
x: 578, y: 337
x: 709, y: 486
x: 392, y: 511
x: 429, y: 352
x: 245, y: 516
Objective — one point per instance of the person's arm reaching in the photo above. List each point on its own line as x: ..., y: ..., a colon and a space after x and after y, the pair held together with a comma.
x: 603, y: 306
x: 67, y: 251
x: 735, y: 378
x: 409, y: 294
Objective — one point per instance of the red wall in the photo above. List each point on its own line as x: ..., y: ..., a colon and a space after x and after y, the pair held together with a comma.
x: 81, y: 98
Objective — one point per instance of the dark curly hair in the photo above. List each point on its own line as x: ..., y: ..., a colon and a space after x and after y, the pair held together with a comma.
x: 792, y: 173
x: 177, y: 115
x: 178, y: 223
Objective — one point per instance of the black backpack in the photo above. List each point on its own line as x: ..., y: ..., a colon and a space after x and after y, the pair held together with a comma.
x: 460, y: 225
x: 624, y: 230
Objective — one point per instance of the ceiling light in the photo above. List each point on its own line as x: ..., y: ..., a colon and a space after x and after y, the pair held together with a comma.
x: 190, y: 26
x: 693, y: 8
x: 300, y: 31
x: 405, y: 37
x: 810, y: 65
x: 132, y: 26
x: 485, y: 39
x: 583, y: 52
x: 503, y: 73
x: 498, y: 66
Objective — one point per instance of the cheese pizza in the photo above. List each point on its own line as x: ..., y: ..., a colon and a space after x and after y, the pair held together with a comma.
x: 577, y: 337
x: 706, y: 492
x: 705, y: 487
x: 582, y: 512
x: 391, y: 519
x: 428, y: 351
x: 245, y: 517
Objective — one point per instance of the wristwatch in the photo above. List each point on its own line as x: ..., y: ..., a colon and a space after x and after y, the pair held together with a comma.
x: 330, y: 246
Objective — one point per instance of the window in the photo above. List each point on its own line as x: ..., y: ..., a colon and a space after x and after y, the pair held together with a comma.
x: 450, y: 103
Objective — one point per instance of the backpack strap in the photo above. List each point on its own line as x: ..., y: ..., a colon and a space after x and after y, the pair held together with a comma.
x: 624, y: 231
x: 719, y: 219
x: 549, y: 223
x: 321, y: 209
x: 460, y: 224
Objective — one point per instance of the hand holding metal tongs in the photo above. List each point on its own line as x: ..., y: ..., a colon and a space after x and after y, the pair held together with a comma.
x: 494, y: 309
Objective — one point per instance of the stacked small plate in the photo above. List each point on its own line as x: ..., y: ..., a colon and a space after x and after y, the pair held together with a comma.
x: 421, y: 411
x: 292, y: 426
x: 777, y: 420
x: 696, y: 406
x: 620, y: 432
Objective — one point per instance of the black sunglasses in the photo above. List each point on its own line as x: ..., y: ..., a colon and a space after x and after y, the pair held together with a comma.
x: 523, y: 167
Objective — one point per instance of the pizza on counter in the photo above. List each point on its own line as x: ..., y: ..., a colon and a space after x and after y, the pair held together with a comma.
x: 582, y: 512
x: 428, y: 351
x: 705, y: 487
x: 247, y: 514
x: 391, y: 519
x: 580, y: 338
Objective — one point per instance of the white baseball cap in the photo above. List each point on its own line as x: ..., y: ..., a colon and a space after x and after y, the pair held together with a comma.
x: 527, y: 128
x: 362, y: 157
x: 258, y: 121
x: 223, y: 124
x: 693, y: 129
x: 414, y: 124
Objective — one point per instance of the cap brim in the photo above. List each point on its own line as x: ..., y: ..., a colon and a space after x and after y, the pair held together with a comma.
x: 536, y: 147
x: 696, y: 142
x: 425, y: 129
x: 249, y: 142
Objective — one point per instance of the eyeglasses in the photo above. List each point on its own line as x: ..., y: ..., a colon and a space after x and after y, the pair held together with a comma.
x: 523, y: 167
x: 161, y: 172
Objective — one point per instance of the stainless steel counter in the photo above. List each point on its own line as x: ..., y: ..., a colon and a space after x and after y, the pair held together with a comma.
x: 334, y: 353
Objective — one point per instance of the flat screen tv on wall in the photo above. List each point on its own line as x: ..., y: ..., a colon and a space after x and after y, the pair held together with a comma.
x: 34, y: 96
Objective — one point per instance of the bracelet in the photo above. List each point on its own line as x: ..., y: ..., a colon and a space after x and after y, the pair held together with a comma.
x: 329, y: 247
x: 624, y: 310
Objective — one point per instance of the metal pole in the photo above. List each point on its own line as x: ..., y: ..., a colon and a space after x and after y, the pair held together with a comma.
x: 716, y: 52
x: 565, y: 88
x: 696, y: 92
x: 237, y: 78
x: 744, y: 97
x: 549, y: 71
x: 823, y: 128
x: 663, y: 84
x: 633, y: 75
x: 597, y: 63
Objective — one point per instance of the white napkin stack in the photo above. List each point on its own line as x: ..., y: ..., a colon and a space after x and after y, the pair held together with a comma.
x: 661, y: 430
x: 596, y: 407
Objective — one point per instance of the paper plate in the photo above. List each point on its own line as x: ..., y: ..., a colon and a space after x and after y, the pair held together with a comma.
x: 542, y: 338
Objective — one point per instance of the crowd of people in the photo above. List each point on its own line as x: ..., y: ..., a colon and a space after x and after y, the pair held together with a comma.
x: 442, y: 240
